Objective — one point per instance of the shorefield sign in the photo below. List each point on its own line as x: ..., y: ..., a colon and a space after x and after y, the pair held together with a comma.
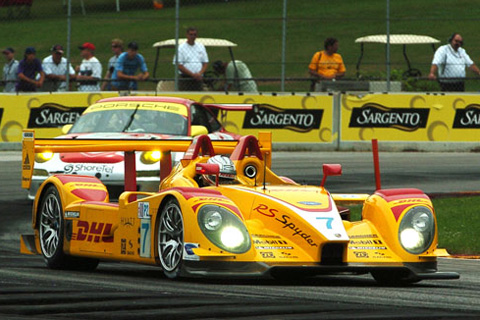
x: 303, y: 121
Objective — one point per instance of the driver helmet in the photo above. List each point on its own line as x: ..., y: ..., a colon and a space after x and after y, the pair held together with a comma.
x: 227, y: 172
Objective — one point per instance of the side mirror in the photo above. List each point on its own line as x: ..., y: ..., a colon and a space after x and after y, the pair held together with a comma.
x: 197, y: 130
x: 66, y: 128
x: 208, y: 168
x: 331, y: 170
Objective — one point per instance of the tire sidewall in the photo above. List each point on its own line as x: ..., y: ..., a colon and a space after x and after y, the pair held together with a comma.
x: 177, y: 271
x: 57, y: 260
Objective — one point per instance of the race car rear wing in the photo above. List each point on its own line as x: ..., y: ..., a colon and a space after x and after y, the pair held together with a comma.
x: 31, y: 146
x: 230, y: 106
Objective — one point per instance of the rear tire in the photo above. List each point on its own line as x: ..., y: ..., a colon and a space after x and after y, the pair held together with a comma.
x: 52, y: 231
x: 170, y: 241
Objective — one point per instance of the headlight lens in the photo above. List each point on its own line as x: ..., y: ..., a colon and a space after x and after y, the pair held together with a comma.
x: 224, y: 229
x: 150, y: 157
x: 43, y: 157
x: 417, y: 230
x: 212, y: 220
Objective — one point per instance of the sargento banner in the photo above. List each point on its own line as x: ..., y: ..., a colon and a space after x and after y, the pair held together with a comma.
x: 264, y: 116
x: 294, y: 119
x: 291, y: 118
x: 45, y: 112
x: 410, y: 117
x: 373, y: 115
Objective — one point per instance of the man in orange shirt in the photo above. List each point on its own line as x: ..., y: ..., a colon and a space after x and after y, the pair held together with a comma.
x: 327, y: 64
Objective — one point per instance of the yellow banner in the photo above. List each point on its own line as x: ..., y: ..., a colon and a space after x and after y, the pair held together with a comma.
x: 410, y: 117
x: 291, y: 118
x: 44, y: 112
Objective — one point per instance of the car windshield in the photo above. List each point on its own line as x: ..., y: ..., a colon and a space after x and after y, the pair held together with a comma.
x: 128, y: 120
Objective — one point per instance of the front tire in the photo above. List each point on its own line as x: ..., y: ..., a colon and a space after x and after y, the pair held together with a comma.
x: 52, y: 231
x: 170, y: 241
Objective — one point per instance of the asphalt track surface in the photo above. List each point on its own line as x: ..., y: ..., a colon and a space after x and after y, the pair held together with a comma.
x: 28, y: 290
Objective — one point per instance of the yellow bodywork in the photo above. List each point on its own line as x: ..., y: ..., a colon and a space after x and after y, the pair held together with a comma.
x: 288, y: 224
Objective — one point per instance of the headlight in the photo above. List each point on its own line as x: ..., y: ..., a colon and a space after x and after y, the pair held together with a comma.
x: 417, y: 230
x: 43, y: 157
x: 150, y: 157
x: 224, y: 229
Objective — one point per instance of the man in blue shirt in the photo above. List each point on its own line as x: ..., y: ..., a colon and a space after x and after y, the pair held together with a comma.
x: 128, y: 63
x: 30, y: 72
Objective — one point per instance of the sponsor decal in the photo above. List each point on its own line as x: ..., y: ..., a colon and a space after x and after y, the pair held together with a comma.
x: 267, y: 255
x: 273, y: 248
x: 310, y: 203
x: 364, y: 236
x: 188, y: 253
x: 367, y: 248
x: 468, y: 118
x: 94, y: 231
x: 143, y: 210
x: 374, y: 115
x: 265, y: 236
x: 366, y: 242
x: 162, y: 106
x: 360, y: 254
x: 81, y: 167
x: 72, y: 214
x: 265, y: 116
x: 285, y: 220
x: 127, y: 221
x: 269, y: 242
x: 123, y: 247
x: 53, y: 115
x: 27, y: 135
x: 26, y: 163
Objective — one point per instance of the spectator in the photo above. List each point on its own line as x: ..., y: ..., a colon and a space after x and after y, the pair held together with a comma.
x: 127, y: 65
x: 55, y: 68
x: 192, y: 62
x: 10, y: 70
x: 327, y: 64
x: 30, y: 72
x: 117, y: 49
x: 234, y: 72
x: 449, y: 62
x: 90, y: 71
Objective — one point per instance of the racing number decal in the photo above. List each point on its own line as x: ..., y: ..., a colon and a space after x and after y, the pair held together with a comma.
x: 329, y: 221
x: 145, y: 237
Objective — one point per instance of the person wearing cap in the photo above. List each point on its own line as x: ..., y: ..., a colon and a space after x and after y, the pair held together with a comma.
x: 192, y: 63
x: 90, y: 70
x: 117, y: 49
x: 235, y: 72
x: 55, y: 68
x: 9, y: 70
x: 124, y: 77
x: 30, y: 72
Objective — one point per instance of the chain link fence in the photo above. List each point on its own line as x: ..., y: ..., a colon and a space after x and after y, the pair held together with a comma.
x: 262, y: 45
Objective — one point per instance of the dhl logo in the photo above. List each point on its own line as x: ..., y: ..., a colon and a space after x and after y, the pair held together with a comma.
x: 93, y: 232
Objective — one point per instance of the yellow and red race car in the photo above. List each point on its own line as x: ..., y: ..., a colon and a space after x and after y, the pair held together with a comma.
x: 222, y: 212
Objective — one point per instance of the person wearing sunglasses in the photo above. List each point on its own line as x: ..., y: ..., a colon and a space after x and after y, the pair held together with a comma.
x: 117, y: 49
x: 449, y: 64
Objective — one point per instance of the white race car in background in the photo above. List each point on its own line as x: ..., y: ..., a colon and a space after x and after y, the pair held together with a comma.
x: 131, y: 118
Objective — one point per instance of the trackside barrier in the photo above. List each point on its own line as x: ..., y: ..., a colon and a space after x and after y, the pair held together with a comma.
x: 298, y: 121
